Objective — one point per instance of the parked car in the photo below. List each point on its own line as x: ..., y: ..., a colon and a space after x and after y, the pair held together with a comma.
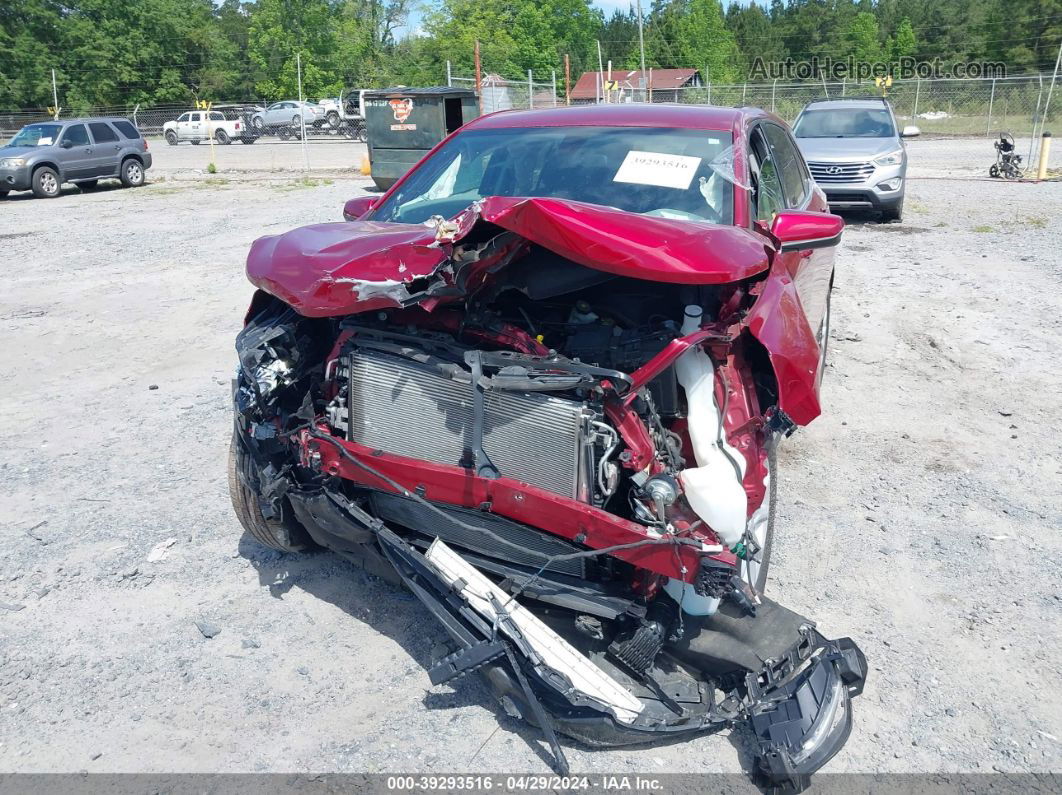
x: 856, y: 154
x: 197, y: 126
x: 540, y: 382
x: 42, y: 156
x: 289, y: 114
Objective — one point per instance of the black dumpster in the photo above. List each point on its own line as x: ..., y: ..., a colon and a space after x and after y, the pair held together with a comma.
x: 404, y: 123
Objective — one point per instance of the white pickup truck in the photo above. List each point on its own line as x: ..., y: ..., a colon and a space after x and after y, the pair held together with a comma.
x: 202, y: 125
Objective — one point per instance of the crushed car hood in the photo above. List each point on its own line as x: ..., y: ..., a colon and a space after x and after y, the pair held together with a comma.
x: 341, y: 268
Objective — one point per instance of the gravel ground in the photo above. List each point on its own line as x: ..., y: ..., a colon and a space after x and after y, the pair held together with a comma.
x: 920, y: 514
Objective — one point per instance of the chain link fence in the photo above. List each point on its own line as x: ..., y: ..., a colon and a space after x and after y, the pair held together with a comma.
x: 939, y: 106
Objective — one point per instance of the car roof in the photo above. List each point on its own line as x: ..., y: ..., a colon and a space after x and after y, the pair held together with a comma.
x: 81, y: 120
x: 847, y: 104
x: 627, y: 114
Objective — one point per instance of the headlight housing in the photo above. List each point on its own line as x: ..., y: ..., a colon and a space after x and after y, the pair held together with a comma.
x: 13, y: 162
x: 891, y: 159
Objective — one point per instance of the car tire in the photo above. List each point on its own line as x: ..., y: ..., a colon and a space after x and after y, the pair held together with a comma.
x: 46, y: 183
x: 248, y: 141
x: 88, y: 184
x: 3, y: 193
x: 284, y: 133
x: 285, y: 535
x: 194, y: 142
x: 360, y: 134
x: 257, y: 123
x: 332, y: 118
x: 132, y: 174
x: 171, y: 138
x: 892, y: 214
x: 222, y: 137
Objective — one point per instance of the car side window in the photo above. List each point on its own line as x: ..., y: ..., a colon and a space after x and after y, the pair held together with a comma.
x: 767, y: 195
x: 76, y: 135
x: 127, y: 129
x: 102, y: 132
x: 217, y: 116
x: 790, y: 165
x: 184, y: 117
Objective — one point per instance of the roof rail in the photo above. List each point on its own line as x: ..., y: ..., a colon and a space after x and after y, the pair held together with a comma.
x: 854, y: 98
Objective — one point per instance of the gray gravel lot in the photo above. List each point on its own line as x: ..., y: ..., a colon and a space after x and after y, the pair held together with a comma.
x: 920, y: 514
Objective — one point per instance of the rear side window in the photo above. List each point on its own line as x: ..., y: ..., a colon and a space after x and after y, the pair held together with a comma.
x: 102, y: 132
x: 790, y: 165
x: 76, y: 135
x: 127, y: 129
x: 217, y: 116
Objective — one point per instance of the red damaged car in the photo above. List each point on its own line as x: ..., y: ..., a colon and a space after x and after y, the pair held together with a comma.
x: 540, y: 383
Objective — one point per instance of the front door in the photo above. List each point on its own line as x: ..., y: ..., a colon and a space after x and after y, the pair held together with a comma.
x: 76, y: 153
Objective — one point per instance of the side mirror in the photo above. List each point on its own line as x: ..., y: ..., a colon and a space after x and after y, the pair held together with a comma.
x: 66, y: 144
x: 356, y: 208
x: 910, y: 131
x: 799, y: 229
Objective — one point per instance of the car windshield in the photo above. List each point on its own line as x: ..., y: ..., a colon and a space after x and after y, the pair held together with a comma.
x: 36, y: 135
x: 853, y: 123
x: 668, y: 173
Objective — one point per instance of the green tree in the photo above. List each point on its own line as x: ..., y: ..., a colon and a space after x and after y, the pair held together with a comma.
x: 861, y: 39
x: 281, y: 30
x: 706, y: 44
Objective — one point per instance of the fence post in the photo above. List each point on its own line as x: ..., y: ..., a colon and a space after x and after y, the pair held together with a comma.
x: 55, y: 96
x: 302, y: 115
x: 843, y: 80
x: 918, y: 88
x: 449, y: 75
x: 554, y: 88
x: 991, y: 101
x: 744, y: 88
x: 530, y: 91
x: 774, y: 89
x: 1032, y: 135
x: 709, y: 92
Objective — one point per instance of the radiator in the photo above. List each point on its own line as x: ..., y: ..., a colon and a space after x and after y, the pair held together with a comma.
x: 407, y: 408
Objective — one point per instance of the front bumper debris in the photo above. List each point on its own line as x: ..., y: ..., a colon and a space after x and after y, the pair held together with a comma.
x: 798, y: 707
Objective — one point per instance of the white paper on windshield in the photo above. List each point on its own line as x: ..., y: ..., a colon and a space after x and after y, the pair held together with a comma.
x: 658, y: 169
x: 44, y: 142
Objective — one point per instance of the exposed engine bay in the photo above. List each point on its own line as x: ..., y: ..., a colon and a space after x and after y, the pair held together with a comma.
x: 571, y: 468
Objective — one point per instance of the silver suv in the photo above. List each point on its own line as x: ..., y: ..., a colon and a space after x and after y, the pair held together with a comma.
x: 42, y: 156
x: 855, y: 153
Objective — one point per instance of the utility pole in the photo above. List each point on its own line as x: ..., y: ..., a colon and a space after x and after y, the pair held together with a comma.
x: 641, y: 49
x: 567, y: 79
x: 479, y: 79
x: 302, y: 112
x: 55, y: 96
x: 449, y: 75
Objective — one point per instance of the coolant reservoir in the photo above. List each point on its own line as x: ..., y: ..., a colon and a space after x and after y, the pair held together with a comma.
x: 713, y: 488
